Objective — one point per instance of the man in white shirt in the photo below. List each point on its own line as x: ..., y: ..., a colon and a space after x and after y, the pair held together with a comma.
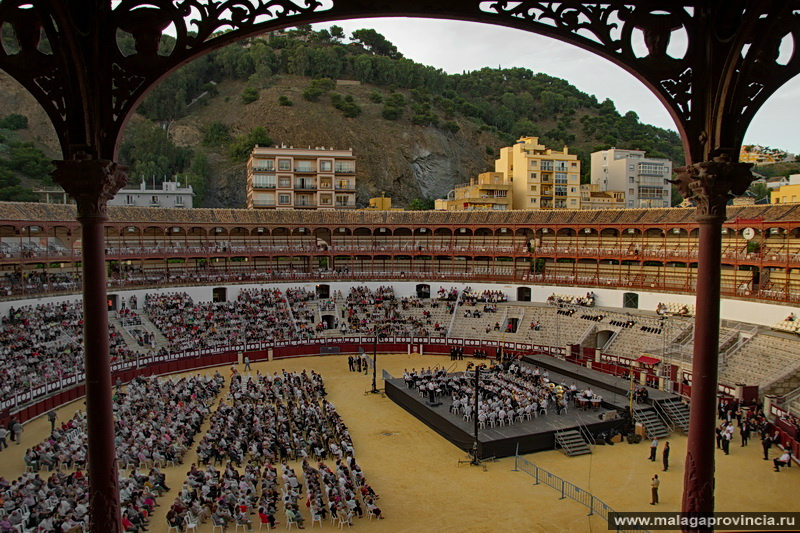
x: 783, y: 460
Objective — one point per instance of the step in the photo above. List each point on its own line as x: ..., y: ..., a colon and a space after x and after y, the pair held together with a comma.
x: 572, y: 443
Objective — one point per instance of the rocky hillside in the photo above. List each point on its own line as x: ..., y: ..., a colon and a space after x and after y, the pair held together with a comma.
x: 416, y: 131
x: 404, y: 160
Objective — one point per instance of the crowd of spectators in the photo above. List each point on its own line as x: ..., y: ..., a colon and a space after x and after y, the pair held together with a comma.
x: 268, y: 420
x: 155, y: 422
x: 42, y: 344
x: 60, y: 503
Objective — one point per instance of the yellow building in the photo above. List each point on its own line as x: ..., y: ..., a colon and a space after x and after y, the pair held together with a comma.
x: 540, y: 178
x: 489, y: 191
x: 298, y: 178
x: 787, y: 194
x: 382, y: 203
x: 592, y: 197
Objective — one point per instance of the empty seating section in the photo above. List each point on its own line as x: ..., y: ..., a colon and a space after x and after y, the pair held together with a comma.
x: 764, y: 359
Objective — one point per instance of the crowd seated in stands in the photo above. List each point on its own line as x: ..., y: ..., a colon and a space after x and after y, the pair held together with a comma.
x: 40, y: 344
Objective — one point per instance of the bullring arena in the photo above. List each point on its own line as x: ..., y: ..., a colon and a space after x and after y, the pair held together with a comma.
x: 592, y: 298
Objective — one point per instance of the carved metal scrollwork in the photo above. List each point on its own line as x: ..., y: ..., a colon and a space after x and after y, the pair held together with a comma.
x: 712, y: 183
x: 608, y: 29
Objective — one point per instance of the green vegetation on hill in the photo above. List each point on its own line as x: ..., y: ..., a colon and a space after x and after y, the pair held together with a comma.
x: 22, y: 164
x: 513, y: 101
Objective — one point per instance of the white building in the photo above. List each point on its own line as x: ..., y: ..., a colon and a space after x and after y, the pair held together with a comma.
x: 644, y: 179
x: 171, y: 194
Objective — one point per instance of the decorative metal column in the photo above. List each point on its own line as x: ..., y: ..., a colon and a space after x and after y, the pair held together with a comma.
x: 711, y: 184
x: 92, y: 182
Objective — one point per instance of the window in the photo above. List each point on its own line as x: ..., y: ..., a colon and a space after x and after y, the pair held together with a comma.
x: 284, y: 182
x: 547, y: 165
x: 342, y: 200
x: 267, y: 164
x: 630, y: 191
x: 130, y: 200
x: 264, y: 181
x: 284, y: 164
x: 561, y: 190
x: 561, y: 177
x: 284, y: 199
x: 179, y: 200
x: 533, y: 175
x: 561, y: 166
x: 575, y: 165
x: 573, y: 201
x: 343, y: 184
x: 533, y: 200
x: 573, y: 189
x: 573, y: 177
x: 534, y: 188
x: 154, y: 199
x: 631, y: 179
x: 534, y: 163
x: 325, y: 166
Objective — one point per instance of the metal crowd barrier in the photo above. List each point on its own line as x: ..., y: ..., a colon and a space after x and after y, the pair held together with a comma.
x: 568, y: 490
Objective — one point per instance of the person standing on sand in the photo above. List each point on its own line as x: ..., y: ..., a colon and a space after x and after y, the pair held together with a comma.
x: 654, y: 483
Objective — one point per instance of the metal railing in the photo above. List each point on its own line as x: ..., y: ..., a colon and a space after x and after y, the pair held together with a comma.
x: 568, y: 490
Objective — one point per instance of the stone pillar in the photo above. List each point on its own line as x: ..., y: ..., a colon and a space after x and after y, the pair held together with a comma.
x: 92, y: 182
x: 710, y: 184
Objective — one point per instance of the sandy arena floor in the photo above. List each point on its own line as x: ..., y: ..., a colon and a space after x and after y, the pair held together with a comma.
x: 422, y: 488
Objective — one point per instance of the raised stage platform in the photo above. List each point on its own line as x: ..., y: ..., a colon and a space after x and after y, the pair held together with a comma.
x: 531, y: 435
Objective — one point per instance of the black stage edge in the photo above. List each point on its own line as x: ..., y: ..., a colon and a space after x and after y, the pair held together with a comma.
x: 531, y: 436
x: 615, y: 385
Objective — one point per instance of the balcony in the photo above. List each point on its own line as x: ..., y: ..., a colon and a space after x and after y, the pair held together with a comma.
x: 305, y: 186
x: 306, y: 170
x: 346, y: 187
x: 342, y: 169
x: 263, y: 185
x: 301, y: 202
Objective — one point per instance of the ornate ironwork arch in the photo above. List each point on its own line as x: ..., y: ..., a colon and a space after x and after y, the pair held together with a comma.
x: 713, y: 89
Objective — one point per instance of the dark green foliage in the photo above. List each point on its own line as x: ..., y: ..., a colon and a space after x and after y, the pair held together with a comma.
x: 421, y: 204
x: 376, y: 97
x: 452, y: 127
x: 424, y: 115
x: 14, y: 122
x: 376, y: 43
x: 216, y: 134
x: 318, y: 88
x: 17, y: 193
x: 346, y: 105
x: 242, y: 145
x: 284, y: 101
x: 24, y: 158
x: 249, y: 95
x: 150, y: 153
x: 197, y: 177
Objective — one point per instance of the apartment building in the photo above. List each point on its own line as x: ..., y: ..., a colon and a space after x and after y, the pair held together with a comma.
x: 593, y: 198
x: 540, y: 178
x: 490, y: 191
x: 642, y: 178
x: 301, y: 178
